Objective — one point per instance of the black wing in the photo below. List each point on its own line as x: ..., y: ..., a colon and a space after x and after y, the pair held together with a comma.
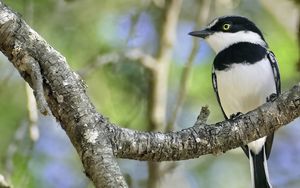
x: 276, y: 74
x: 215, y: 86
x: 275, y: 70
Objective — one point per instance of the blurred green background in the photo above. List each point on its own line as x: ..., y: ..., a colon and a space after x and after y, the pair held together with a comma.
x: 94, y: 35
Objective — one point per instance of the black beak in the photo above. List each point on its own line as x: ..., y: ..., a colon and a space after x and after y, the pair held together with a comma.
x: 202, y: 33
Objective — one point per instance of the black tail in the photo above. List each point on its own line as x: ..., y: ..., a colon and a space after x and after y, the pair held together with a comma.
x: 259, y: 169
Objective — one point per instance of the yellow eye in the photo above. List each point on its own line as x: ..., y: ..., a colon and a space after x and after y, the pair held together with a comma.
x: 226, y: 27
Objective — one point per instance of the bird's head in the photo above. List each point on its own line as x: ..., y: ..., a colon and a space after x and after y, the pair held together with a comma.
x: 225, y: 31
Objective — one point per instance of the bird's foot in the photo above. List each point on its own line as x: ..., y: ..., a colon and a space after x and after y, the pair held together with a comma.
x: 236, y: 115
x: 272, y: 97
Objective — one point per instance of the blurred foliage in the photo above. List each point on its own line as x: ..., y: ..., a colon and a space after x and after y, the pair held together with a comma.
x: 12, y: 112
x: 85, y: 30
x: 296, y: 1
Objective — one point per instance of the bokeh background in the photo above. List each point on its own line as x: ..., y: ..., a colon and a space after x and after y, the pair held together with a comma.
x: 95, y: 37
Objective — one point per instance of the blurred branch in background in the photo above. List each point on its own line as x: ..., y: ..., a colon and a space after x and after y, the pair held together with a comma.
x: 114, y: 57
x: 289, y: 19
x: 298, y: 35
x: 4, y: 81
x: 18, y: 145
x: 203, y: 14
x: 3, y: 182
x: 297, y: 2
x: 160, y: 72
x: 32, y: 114
x: 299, y: 44
x: 159, y: 80
x: 99, y: 61
x: 145, y: 59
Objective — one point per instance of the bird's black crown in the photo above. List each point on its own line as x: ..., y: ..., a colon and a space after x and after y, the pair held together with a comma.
x: 232, y: 24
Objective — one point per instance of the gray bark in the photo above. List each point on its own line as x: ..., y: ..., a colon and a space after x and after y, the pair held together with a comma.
x: 49, y: 75
x: 98, y: 141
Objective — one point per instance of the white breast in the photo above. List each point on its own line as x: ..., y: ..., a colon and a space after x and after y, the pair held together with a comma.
x: 244, y: 87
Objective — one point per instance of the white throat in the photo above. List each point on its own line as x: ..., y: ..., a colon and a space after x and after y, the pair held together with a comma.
x: 221, y: 40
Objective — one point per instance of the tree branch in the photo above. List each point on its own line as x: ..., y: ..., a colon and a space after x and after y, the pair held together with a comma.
x: 97, y: 141
x: 65, y: 95
x: 146, y: 60
x: 202, y: 139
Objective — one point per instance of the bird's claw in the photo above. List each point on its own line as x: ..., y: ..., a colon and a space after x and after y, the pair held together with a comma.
x: 272, y: 97
x: 236, y: 115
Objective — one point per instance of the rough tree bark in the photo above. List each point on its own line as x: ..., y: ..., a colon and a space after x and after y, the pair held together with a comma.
x: 98, y: 141
x: 49, y: 75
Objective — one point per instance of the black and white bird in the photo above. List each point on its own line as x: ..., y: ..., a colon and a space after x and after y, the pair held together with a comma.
x: 245, y: 74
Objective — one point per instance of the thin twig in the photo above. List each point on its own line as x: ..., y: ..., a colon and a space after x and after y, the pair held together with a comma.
x: 202, y: 117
